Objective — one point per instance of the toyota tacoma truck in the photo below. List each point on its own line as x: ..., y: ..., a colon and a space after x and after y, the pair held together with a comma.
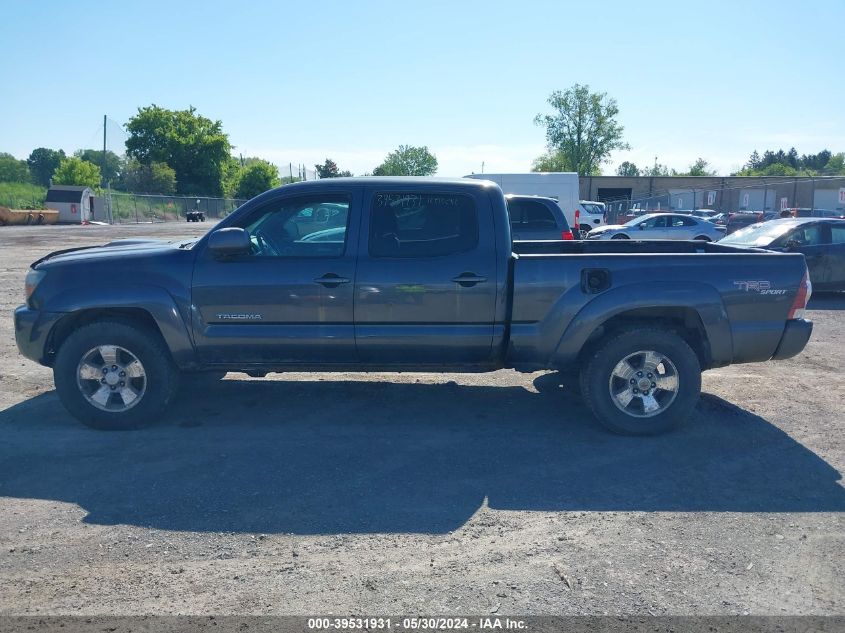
x: 404, y: 274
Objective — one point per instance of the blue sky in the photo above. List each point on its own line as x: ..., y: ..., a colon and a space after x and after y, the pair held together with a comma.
x: 299, y: 81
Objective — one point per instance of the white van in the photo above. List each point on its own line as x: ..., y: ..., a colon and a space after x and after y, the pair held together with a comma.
x: 562, y: 186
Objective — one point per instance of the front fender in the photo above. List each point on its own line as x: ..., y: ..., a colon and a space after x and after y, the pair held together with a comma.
x: 705, y: 300
x: 156, y: 301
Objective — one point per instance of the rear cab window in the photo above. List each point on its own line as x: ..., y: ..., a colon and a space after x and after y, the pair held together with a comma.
x: 419, y: 224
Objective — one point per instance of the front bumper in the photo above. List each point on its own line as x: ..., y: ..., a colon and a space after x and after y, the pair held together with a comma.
x: 795, y: 336
x: 32, y: 328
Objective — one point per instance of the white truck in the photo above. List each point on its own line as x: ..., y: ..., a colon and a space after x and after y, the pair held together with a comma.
x: 562, y: 186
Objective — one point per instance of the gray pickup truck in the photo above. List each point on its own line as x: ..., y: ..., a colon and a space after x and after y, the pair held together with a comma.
x: 404, y: 274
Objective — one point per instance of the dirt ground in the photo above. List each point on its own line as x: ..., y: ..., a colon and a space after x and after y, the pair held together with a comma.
x: 413, y: 493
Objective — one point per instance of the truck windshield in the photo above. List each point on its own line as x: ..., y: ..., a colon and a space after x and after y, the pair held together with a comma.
x: 758, y: 234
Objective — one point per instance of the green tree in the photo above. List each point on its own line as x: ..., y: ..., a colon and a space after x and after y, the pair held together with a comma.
x: 194, y: 146
x: 658, y: 169
x: 408, y: 161
x: 12, y: 169
x: 112, y: 167
x: 627, y: 168
x: 257, y: 178
x: 75, y: 171
x: 153, y: 178
x: 583, y: 128
x: 43, y: 163
x: 329, y: 169
x: 699, y: 168
x: 835, y: 166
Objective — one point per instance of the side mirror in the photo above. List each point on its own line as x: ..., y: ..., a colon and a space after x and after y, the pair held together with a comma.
x: 791, y: 244
x: 229, y: 241
x: 641, y: 226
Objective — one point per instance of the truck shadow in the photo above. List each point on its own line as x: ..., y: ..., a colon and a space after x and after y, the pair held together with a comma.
x: 327, y: 457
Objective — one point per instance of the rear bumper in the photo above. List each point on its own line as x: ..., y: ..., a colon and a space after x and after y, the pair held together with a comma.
x: 32, y: 327
x: 795, y: 336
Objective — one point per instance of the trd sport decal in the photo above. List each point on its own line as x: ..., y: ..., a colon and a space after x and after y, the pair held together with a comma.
x: 762, y: 286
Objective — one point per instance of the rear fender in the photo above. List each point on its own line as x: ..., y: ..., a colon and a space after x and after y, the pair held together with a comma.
x: 705, y: 300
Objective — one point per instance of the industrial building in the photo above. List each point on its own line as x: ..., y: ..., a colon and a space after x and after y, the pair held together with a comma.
x: 728, y: 193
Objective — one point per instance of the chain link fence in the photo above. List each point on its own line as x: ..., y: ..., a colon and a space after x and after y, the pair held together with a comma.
x: 129, y: 208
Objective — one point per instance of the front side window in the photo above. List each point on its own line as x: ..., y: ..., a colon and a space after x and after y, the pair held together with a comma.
x: 422, y: 224
x: 657, y: 222
x: 837, y: 234
x: 300, y: 227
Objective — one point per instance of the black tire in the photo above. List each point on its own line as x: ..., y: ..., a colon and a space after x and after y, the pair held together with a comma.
x: 703, y: 238
x: 160, y: 381
x: 621, y: 236
x: 598, y: 378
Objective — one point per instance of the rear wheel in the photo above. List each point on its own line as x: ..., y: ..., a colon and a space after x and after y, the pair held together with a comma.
x: 621, y: 236
x: 642, y: 382
x: 703, y: 238
x: 115, y: 375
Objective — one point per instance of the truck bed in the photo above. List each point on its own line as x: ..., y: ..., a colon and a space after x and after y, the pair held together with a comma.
x: 563, y: 290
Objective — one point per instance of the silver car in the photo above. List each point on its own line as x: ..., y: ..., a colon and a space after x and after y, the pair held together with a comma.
x: 661, y: 226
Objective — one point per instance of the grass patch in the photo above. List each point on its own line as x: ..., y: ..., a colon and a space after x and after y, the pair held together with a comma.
x: 22, y: 195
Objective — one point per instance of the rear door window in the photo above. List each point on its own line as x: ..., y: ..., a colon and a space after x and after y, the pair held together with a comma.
x: 417, y: 224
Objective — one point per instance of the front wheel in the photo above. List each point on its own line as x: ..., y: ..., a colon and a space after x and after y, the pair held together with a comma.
x: 703, y: 238
x: 642, y: 382
x: 621, y: 236
x: 115, y: 375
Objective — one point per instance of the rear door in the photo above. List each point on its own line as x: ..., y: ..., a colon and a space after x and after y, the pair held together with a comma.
x: 681, y: 227
x: 291, y: 299
x: 425, y: 291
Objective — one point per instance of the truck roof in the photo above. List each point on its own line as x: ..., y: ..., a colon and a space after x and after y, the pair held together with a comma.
x: 392, y: 181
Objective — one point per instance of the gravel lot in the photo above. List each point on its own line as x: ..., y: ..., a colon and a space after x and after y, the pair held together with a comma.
x: 416, y: 493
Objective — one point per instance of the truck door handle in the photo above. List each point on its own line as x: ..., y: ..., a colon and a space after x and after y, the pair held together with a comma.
x: 468, y: 279
x: 330, y: 280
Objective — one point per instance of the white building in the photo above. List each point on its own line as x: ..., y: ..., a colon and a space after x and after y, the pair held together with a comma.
x: 74, y: 203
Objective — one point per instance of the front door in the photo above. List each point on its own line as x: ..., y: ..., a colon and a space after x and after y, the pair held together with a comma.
x: 426, y: 286
x: 653, y: 228
x: 290, y: 300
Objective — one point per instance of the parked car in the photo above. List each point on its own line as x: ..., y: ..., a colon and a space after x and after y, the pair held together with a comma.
x: 661, y: 226
x: 537, y: 218
x: 821, y: 241
x: 741, y: 219
x: 422, y: 277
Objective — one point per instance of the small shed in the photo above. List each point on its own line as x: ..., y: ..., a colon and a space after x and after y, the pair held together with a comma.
x: 74, y: 203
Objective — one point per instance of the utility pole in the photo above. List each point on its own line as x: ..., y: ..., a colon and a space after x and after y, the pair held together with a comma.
x: 103, y: 162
